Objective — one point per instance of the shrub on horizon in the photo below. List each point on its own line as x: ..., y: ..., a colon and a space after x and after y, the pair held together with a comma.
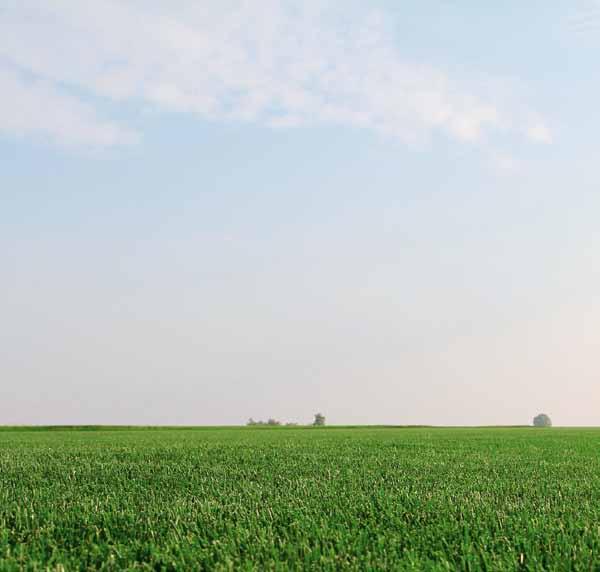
x: 542, y: 420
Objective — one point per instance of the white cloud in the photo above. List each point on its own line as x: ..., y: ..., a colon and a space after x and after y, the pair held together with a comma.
x: 586, y: 18
x: 539, y: 132
x: 38, y: 108
x: 504, y: 163
x: 276, y: 63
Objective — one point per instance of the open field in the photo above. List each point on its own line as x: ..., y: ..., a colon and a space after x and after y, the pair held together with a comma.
x: 331, y: 498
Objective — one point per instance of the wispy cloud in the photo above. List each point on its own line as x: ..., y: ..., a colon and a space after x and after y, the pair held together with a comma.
x: 504, y: 164
x: 36, y: 107
x: 276, y: 63
x: 539, y: 132
x: 586, y: 18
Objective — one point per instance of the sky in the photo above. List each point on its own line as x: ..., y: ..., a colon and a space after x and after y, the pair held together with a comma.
x: 383, y: 211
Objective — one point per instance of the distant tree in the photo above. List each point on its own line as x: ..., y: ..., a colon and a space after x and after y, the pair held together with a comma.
x: 291, y: 424
x: 271, y: 422
x: 542, y: 420
x: 319, y: 420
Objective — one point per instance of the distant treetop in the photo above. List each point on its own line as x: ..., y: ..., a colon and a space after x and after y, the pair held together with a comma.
x: 271, y: 422
x: 542, y: 420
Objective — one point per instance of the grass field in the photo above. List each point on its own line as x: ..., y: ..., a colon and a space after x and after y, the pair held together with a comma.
x: 301, y: 498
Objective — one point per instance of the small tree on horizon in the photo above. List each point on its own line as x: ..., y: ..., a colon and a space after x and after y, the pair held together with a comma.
x: 319, y: 420
x: 542, y: 420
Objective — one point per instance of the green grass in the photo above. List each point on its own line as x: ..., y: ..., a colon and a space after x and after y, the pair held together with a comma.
x: 300, y: 498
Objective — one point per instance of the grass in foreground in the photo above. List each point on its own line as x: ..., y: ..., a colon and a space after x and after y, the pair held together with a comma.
x: 324, y: 499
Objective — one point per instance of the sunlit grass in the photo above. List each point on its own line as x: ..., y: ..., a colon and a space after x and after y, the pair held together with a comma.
x: 301, y: 498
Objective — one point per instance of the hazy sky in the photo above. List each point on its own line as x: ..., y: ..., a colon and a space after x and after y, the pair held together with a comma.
x: 387, y: 211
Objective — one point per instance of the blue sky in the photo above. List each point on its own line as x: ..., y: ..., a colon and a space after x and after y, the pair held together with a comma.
x: 215, y: 210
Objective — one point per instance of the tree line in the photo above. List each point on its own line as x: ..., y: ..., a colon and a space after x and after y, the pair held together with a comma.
x: 318, y: 421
